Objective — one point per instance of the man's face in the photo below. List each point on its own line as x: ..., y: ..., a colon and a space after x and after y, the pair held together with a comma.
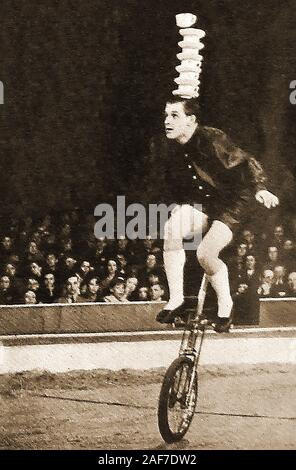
x: 49, y: 280
x: 30, y: 297
x: 242, y: 250
x: 279, y: 232
x: 85, y: 267
x: 10, y: 270
x: 279, y: 272
x: 288, y: 245
x: 6, y: 242
x: 36, y: 269
x: 131, y: 284
x: 248, y: 236
x: 292, y: 281
x: 4, y: 282
x: 33, y: 285
x: 156, y: 292
x: 176, y: 121
x: 112, y: 266
x: 70, y: 263
x: 143, y: 293
x: 72, y: 285
x: 250, y: 262
x: 273, y: 253
x: 33, y: 248
x: 51, y: 260
x: 268, y: 276
x: 150, y: 261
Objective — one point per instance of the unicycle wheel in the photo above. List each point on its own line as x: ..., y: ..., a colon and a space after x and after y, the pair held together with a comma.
x: 177, y: 399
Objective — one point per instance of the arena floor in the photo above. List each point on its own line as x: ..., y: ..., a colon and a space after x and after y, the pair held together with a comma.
x: 240, y: 407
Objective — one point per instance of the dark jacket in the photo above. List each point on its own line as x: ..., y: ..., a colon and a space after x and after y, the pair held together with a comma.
x: 209, y: 169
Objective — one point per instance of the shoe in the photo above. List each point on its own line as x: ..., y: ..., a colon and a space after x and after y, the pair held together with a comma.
x: 223, y: 325
x: 168, y: 316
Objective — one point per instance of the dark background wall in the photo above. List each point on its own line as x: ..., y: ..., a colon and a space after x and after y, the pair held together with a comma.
x: 85, y: 83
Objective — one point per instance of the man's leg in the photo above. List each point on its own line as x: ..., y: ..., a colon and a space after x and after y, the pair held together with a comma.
x: 184, y: 220
x: 217, y: 238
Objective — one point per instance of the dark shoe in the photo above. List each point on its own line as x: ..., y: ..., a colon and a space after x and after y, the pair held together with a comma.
x: 168, y: 316
x: 223, y: 325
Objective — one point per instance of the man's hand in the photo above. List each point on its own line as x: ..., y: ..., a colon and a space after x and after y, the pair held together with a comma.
x: 266, y: 198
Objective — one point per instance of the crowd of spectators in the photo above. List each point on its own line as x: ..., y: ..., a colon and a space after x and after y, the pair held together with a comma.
x: 58, y: 259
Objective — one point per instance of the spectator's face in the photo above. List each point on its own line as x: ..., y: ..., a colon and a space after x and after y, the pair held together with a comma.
x: 279, y: 272
x: 118, y: 290
x: 242, y: 288
x: 268, y: 276
x: 66, y: 230
x: 51, y: 260
x: 72, y: 286
x: 288, y: 245
x: 156, y: 292
x: 10, y: 270
x: 33, y: 248
x: 292, y: 281
x: 7, y: 243
x: 93, y: 286
x: 85, y: 267
x: 143, y: 293
x: 68, y: 245
x: 30, y: 297
x: 49, y: 280
x: 4, y: 282
x: 148, y: 243
x: 121, y: 260
x: 250, y: 262
x: 33, y: 285
x: 150, y: 261
x: 248, y: 236
x: 153, y: 279
x: 278, y: 232
x: 70, y: 263
x: 242, y: 250
x: 131, y: 285
x: 273, y: 253
x: 177, y: 121
x: 101, y: 243
x: 36, y: 269
x: 122, y: 243
x: 112, y: 266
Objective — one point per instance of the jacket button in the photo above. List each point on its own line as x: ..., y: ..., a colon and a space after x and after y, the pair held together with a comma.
x: 207, y: 195
x: 194, y: 177
x: 200, y: 187
x: 189, y: 166
x: 186, y: 155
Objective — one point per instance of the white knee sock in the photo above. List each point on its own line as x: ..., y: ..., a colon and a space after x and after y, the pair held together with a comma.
x: 220, y: 283
x: 174, y: 262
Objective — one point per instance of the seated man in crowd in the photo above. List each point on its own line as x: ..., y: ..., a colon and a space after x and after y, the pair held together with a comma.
x: 156, y: 292
x: 291, y: 285
x: 71, y: 292
x: 6, y: 291
x: 91, y: 292
x: 49, y: 292
x: 117, y: 291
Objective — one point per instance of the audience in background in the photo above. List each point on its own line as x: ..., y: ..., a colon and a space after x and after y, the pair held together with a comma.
x: 59, y: 260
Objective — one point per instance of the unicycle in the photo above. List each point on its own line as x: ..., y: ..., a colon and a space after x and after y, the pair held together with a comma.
x: 179, y: 391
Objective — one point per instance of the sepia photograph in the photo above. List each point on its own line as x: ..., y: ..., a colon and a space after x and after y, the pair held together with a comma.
x: 147, y: 229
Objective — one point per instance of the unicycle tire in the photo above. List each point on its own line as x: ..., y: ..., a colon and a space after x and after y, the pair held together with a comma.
x: 175, y: 393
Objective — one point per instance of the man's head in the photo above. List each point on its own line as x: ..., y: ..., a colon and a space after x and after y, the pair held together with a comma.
x: 156, y: 292
x: 151, y: 261
x: 85, y: 267
x: 131, y: 285
x: 4, y: 282
x: 181, y: 119
x: 6, y: 243
x: 242, y: 250
x: 111, y: 266
x: 33, y: 285
x: 278, y: 232
x: 51, y: 260
x: 10, y: 270
x: 36, y: 269
x: 72, y: 286
x: 143, y: 293
x: 292, y: 281
x: 288, y: 245
x: 248, y: 236
x: 33, y: 249
x: 272, y: 253
x: 30, y: 297
x: 70, y: 262
x: 267, y: 276
x: 250, y: 262
x: 49, y: 280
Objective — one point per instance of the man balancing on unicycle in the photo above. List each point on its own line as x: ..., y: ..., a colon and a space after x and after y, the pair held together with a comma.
x: 205, y: 166
x: 201, y: 165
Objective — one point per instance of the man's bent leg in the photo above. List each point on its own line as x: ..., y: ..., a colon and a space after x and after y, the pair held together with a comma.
x: 217, y: 238
x: 184, y: 220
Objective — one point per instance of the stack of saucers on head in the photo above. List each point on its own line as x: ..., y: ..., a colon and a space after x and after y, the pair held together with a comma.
x: 190, y: 57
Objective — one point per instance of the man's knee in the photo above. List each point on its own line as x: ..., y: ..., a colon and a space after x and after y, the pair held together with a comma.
x: 205, y: 256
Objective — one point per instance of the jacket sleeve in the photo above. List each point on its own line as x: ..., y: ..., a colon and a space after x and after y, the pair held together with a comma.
x: 233, y: 156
